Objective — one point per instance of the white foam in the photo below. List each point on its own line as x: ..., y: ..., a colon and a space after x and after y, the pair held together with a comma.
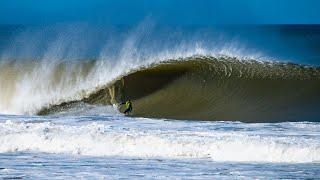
x: 98, y: 139
x: 83, y: 109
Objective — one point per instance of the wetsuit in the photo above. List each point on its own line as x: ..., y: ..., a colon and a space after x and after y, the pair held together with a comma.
x: 128, y: 107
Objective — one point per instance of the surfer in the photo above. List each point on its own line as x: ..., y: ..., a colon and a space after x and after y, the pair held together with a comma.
x: 128, y: 105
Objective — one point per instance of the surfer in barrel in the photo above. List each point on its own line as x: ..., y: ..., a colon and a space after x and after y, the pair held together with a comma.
x: 128, y: 106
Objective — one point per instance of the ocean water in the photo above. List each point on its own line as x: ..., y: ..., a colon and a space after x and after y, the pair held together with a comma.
x: 113, y: 146
x: 208, y: 102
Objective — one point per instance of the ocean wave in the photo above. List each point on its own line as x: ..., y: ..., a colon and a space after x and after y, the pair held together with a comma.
x: 209, y: 88
x: 196, y: 87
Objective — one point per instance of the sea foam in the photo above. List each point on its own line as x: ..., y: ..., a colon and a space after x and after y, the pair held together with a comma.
x: 101, y: 139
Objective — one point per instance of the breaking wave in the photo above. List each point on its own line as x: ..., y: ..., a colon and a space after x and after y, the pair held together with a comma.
x: 197, y: 88
x: 208, y: 88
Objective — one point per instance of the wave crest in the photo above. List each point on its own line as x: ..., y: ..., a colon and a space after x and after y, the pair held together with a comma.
x: 209, y: 88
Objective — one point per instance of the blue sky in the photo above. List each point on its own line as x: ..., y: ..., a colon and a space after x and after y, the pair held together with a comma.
x: 171, y: 12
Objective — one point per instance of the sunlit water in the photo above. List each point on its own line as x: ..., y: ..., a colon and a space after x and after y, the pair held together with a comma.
x: 112, y: 146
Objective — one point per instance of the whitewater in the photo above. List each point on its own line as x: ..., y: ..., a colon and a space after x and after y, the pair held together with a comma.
x: 205, y: 105
x: 110, y: 143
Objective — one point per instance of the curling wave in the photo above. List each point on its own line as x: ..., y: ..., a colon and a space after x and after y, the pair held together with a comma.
x: 195, y: 88
x: 208, y: 88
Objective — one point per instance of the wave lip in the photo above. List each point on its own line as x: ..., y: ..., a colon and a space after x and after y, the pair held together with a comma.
x: 98, y: 139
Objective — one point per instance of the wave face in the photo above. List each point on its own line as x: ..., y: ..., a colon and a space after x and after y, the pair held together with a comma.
x: 208, y: 88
